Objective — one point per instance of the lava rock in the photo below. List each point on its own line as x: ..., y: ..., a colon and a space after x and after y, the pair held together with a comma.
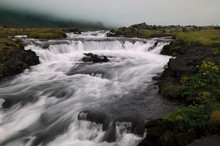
x: 166, y: 139
x: 184, y: 139
x: 152, y: 123
x: 89, y: 57
x: 207, y: 141
x: 154, y: 132
x: 21, y: 60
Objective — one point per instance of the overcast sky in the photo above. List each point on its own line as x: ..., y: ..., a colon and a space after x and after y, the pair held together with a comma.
x: 127, y: 12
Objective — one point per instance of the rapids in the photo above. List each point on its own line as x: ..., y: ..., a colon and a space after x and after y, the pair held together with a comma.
x: 47, y: 99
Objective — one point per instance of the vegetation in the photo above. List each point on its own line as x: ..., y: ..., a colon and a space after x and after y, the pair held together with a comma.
x: 201, y: 88
x: 40, y: 33
x: 205, y: 37
x: 185, y: 35
x: 189, y: 118
x: 192, y: 77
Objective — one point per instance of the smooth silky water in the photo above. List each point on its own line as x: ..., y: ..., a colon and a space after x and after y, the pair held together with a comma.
x: 51, y: 101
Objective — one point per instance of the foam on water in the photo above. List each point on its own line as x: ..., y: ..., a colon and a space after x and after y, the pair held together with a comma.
x: 62, y: 85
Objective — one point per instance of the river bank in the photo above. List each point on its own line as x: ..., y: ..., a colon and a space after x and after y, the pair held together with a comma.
x: 191, y: 77
x: 83, y: 82
x: 13, y: 58
x: 196, y: 51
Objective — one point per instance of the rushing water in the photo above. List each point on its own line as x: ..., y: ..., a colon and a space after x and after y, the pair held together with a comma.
x: 48, y: 99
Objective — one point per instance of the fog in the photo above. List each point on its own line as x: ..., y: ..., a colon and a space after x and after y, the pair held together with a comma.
x: 126, y: 12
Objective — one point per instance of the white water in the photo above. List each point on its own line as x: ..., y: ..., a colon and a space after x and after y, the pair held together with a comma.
x: 63, y: 85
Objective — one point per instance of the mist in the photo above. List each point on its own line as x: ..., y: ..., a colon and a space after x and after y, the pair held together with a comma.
x: 126, y: 12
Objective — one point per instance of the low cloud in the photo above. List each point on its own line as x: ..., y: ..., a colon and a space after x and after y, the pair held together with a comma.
x: 126, y: 12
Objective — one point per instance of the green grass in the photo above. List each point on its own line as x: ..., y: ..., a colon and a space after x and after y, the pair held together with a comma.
x: 203, y: 89
x: 39, y: 33
x: 206, y: 38
x: 185, y: 35
x: 6, y: 43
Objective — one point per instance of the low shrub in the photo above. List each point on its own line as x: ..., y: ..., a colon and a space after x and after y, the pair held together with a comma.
x: 189, y: 118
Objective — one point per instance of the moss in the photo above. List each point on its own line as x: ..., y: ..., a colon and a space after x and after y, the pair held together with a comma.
x: 171, y: 92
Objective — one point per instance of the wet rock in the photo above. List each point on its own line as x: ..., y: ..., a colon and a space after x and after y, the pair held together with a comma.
x: 7, y: 104
x: 152, y: 123
x: 21, y: 60
x: 207, y: 141
x: 99, y: 117
x: 89, y: 57
x: 147, y: 142
x: 131, y: 124
x: 166, y: 125
x: 166, y: 139
x: 154, y: 132
x: 111, y: 33
x: 184, y: 64
x: 183, y: 139
x: 74, y: 30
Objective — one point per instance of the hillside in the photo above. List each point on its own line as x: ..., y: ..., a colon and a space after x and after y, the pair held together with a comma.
x: 14, y: 18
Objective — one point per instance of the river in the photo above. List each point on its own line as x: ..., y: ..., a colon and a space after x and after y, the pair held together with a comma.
x: 64, y: 101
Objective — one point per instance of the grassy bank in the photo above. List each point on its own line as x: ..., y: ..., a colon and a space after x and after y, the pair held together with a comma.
x: 193, y: 77
x: 184, y: 35
x: 13, y: 58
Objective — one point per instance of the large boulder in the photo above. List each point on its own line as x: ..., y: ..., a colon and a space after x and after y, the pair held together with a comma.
x: 184, y: 139
x: 21, y: 60
x: 166, y: 139
x: 89, y: 57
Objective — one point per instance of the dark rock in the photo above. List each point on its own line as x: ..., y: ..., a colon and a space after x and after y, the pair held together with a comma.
x: 7, y: 104
x: 166, y: 139
x: 166, y: 125
x: 147, y: 142
x: 89, y: 57
x: 152, y: 123
x: 21, y: 60
x: 88, y: 54
x: 111, y: 33
x: 154, y: 132
x: 207, y: 141
x: 184, y: 64
x: 184, y: 139
x: 156, y: 78
x: 154, y: 46
x: 74, y: 30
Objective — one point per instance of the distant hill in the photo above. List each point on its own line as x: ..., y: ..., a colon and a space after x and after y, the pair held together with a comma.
x: 13, y: 18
